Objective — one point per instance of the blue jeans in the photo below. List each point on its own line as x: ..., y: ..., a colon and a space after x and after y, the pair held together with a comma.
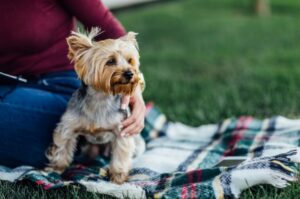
x: 28, y: 115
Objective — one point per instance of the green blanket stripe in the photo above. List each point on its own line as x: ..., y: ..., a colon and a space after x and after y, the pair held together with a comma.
x: 214, y: 154
x: 240, y: 136
x: 150, y: 120
x: 193, y: 184
x: 242, y: 147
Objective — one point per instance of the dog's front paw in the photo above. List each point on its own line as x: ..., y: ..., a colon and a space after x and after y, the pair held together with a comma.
x: 118, y: 178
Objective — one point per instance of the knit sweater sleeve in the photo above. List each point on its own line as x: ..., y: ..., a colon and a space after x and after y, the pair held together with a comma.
x: 94, y: 13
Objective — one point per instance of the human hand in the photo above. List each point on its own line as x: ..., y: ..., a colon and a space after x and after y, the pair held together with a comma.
x: 134, y: 124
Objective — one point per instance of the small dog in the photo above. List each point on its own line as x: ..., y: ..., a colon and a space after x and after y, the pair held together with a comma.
x: 109, y: 69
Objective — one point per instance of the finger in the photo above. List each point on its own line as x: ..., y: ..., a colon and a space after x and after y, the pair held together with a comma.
x: 135, y: 126
x: 125, y: 101
x: 128, y: 129
x: 133, y: 117
x: 137, y: 117
x: 139, y: 124
x: 130, y: 120
x: 137, y: 130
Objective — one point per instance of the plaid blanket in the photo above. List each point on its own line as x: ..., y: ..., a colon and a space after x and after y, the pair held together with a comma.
x: 182, y: 161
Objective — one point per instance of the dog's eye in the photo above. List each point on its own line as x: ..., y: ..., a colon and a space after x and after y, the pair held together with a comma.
x: 111, y: 62
x: 130, y: 60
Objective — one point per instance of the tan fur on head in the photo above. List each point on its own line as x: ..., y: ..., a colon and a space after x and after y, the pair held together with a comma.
x: 131, y: 37
x: 102, y: 64
x: 79, y: 42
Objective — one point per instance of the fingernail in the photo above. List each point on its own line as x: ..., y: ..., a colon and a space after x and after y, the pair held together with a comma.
x: 123, y: 106
x: 123, y: 134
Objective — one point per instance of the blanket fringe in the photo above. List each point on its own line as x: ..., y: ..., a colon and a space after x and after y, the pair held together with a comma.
x: 277, y: 171
x: 125, y: 190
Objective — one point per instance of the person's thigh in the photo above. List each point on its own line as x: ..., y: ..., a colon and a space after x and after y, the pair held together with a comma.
x: 28, y: 117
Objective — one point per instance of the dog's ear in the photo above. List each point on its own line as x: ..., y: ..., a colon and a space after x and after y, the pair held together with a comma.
x: 78, y: 44
x: 130, y: 37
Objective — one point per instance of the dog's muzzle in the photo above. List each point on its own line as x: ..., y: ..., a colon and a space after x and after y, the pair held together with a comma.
x: 128, y: 75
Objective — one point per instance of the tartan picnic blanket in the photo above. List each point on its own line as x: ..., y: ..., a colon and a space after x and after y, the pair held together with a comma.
x: 182, y: 161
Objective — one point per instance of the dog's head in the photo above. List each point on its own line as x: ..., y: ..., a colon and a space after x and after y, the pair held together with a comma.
x: 111, y: 65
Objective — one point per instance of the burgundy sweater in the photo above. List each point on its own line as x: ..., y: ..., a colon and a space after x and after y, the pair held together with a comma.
x: 33, y: 32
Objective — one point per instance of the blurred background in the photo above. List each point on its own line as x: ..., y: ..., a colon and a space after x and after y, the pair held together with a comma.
x: 206, y: 60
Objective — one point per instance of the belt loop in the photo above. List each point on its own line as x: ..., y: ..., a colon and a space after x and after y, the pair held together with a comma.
x: 44, y: 82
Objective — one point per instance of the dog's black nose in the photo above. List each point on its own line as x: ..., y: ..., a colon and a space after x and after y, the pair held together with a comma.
x: 128, y: 74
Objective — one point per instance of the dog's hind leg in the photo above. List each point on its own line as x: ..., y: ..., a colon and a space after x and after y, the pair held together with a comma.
x: 120, y: 164
x: 60, y: 154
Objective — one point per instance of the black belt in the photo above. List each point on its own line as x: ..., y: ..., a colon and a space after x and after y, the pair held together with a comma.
x: 10, y: 79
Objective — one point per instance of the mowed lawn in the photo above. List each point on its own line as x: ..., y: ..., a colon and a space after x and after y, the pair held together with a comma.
x: 206, y: 60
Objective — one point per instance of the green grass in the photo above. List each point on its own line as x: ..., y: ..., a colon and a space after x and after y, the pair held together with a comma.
x: 28, y: 190
x: 206, y: 60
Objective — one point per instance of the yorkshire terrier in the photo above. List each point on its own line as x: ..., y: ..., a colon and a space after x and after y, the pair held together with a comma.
x: 109, y: 70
